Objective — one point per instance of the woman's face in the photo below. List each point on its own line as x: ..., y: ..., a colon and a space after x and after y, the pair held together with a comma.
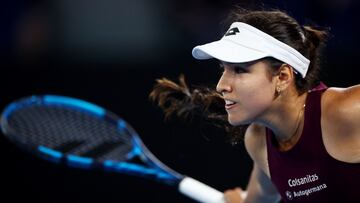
x: 248, y: 91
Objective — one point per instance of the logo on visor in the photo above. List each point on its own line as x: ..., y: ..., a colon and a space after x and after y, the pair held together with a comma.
x: 232, y: 31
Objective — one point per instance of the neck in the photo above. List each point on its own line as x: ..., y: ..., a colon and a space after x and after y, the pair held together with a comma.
x: 286, y: 120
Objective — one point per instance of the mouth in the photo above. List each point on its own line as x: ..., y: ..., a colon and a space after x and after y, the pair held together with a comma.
x: 229, y: 104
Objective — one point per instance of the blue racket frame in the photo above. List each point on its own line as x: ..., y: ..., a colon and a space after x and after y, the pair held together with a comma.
x: 153, y: 167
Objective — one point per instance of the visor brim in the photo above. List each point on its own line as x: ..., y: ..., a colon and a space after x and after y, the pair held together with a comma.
x: 227, y: 51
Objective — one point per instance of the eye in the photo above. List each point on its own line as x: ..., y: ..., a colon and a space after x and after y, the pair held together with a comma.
x: 239, y: 69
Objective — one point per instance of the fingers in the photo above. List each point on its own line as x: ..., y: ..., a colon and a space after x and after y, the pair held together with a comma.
x: 234, y: 195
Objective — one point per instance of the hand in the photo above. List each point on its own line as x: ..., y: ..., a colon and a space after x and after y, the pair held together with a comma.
x: 236, y: 195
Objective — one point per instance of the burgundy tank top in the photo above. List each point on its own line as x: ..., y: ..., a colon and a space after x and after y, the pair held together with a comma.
x: 306, y: 172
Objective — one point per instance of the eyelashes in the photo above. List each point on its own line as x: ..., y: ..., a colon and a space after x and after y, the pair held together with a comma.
x: 239, y: 69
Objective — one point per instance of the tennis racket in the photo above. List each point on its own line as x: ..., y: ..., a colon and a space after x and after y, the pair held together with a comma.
x: 84, y: 135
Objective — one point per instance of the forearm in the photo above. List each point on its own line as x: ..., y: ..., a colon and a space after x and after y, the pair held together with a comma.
x: 260, y: 189
x: 256, y: 193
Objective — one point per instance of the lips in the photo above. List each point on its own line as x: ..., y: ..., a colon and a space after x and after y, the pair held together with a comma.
x: 229, y: 104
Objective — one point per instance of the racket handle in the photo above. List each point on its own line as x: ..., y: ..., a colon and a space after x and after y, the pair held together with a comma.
x: 200, y: 192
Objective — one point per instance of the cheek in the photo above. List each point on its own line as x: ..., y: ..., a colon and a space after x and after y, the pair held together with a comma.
x: 261, y: 94
x: 258, y: 100
x: 254, y: 99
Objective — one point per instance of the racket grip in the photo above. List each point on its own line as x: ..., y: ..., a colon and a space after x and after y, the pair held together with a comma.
x: 200, y: 192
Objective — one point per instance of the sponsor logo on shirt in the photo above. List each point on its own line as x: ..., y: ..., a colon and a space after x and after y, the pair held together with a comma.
x: 304, y: 180
x: 295, y: 182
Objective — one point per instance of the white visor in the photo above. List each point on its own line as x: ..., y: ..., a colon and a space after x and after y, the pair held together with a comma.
x: 244, y: 43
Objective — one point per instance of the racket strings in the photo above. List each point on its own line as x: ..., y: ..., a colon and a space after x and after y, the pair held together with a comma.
x: 71, y: 131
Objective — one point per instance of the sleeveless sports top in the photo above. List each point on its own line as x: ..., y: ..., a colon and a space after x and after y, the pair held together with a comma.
x: 307, y: 173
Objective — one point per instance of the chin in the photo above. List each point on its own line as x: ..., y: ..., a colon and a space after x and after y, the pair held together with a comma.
x: 237, y: 122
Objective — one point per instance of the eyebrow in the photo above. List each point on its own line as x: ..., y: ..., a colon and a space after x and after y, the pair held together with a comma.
x: 244, y: 65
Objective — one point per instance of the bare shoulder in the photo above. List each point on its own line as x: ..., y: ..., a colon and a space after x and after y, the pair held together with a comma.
x: 340, y: 123
x: 255, y: 143
x: 343, y: 94
x: 342, y: 105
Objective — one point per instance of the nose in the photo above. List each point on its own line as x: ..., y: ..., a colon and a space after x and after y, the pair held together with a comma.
x: 223, y: 85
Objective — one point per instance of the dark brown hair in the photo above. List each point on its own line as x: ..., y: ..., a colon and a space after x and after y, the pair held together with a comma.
x: 179, y: 99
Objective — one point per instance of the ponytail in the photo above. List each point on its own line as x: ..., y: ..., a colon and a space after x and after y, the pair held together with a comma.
x: 317, y: 38
x: 315, y: 41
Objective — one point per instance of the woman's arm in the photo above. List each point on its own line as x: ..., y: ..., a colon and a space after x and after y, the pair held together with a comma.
x: 340, y: 123
x: 348, y: 111
x: 260, y: 188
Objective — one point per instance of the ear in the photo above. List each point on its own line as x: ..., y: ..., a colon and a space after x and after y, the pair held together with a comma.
x: 284, y: 77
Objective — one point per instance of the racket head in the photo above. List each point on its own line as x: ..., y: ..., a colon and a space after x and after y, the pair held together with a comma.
x: 80, y: 134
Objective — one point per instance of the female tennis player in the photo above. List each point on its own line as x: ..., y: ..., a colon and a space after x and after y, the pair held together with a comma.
x: 303, y: 137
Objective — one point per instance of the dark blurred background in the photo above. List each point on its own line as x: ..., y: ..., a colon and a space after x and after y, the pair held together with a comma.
x: 110, y: 52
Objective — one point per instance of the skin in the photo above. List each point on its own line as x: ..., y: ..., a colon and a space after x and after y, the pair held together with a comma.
x: 254, y: 90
